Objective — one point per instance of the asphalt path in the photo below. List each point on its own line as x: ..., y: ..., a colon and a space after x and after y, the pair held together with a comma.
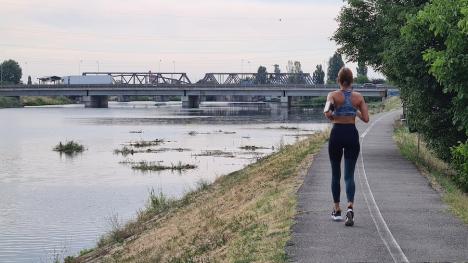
x: 398, y: 216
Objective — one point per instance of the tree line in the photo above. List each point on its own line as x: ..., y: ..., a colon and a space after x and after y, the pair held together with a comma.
x: 11, y: 72
x: 335, y: 63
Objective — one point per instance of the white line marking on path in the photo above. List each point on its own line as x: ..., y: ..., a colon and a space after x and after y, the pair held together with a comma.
x: 384, y: 232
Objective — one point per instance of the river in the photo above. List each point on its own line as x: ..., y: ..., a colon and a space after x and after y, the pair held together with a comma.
x: 53, y: 205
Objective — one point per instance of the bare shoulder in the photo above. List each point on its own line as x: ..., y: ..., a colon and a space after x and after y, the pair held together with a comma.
x: 333, y: 93
x: 358, y: 95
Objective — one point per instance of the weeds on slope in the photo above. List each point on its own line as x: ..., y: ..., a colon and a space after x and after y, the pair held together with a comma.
x: 438, y: 172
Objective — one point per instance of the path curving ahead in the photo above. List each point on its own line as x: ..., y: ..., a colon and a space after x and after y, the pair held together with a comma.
x: 398, y: 216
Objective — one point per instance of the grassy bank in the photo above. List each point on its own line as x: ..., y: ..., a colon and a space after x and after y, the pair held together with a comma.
x: 438, y: 172
x: 9, y: 102
x: 41, y: 101
x: 242, y: 217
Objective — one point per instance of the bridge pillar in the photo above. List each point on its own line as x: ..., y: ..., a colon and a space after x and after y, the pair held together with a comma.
x: 285, y: 101
x: 123, y: 98
x: 190, y: 102
x: 95, y: 101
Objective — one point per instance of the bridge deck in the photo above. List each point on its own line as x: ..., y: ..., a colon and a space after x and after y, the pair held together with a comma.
x: 179, y: 90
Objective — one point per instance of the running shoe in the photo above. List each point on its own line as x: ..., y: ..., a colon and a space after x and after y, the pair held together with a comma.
x: 336, y: 215
x: 349, y: 217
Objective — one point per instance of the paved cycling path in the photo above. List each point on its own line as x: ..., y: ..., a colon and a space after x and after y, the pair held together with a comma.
x: 398, y: 216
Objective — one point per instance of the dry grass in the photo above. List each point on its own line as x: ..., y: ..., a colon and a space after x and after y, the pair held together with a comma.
x: 242, y: 217
x: 389, y: 104
x: 437, y: 171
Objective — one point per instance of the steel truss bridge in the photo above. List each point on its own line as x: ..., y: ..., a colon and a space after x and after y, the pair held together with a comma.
x: 178, y: 84
x: 181, y: 78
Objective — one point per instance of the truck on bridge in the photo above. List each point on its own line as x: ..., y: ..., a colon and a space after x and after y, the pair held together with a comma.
x: 88, y: 79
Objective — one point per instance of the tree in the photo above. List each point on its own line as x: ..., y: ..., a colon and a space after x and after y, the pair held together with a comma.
x: 277, y: 69
x: 396, y: 38
x: 296, y: 69
x: 335, y: 63
x: 10, y: 72
x: 29, y: 80
x: 261, y: 77
x: 448, y: 21
x: 318, y: 77
x: 361, y: 69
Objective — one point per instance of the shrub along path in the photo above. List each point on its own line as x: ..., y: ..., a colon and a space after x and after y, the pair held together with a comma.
x: 398, y: 216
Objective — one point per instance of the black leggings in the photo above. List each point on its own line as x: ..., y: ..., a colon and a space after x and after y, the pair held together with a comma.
x: 343, y: 137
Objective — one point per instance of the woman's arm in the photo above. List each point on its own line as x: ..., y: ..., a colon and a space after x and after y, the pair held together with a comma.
x: 328, y: 110
x: 363, y: 112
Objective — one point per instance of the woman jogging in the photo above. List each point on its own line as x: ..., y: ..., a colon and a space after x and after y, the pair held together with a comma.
x: 341, y: 108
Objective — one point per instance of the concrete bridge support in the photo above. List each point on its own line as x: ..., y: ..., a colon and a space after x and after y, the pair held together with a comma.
x: 95, y: 101
x: 190, y: 102
x: 285, y: 101
x: 123, y: 98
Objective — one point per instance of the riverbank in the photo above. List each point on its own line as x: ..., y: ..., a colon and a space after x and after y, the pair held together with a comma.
x: 437, y: 171
x: 9, y: 102
x: 244, y: 216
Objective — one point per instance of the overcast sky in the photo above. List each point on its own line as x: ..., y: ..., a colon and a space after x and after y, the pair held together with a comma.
x: 63, y: 37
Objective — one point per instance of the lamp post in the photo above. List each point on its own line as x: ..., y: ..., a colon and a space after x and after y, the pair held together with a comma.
x: 159, y: 66
x: 97, y: 62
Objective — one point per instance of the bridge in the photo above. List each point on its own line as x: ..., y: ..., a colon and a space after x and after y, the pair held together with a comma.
x: 178, y: 84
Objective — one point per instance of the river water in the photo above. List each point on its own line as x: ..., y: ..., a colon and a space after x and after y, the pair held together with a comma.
x: 53, y: 205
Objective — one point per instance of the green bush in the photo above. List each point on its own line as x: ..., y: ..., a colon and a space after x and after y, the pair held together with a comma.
x: 9, y: 102
x: 460, y: 163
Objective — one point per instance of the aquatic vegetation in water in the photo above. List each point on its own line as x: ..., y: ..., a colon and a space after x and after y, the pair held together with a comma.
x: 283, y: 128
x: 157, y: 166
x: 142, y: 143
x: 125, y: 151
x: 252, y: 147
x: 216, y: 153
x: 69, y: 147
x: 131, y: 151
x: 193, y: 133
x: 225, y: 132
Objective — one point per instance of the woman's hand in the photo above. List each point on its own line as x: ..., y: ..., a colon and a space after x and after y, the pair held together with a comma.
x: 329, y: 115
